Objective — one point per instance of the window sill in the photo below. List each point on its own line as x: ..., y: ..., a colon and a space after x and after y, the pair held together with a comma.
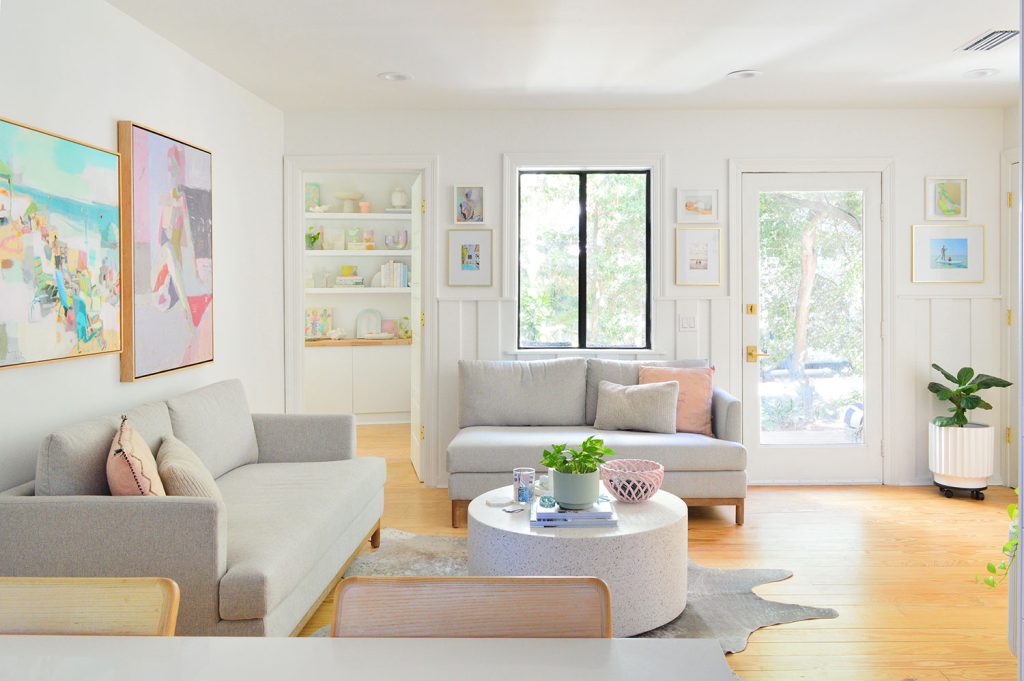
x: 589, y: 352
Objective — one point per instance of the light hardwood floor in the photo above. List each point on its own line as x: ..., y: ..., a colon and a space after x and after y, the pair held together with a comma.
x: 898, y: 563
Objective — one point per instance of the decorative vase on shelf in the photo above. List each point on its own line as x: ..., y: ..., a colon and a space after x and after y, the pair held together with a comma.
x: 576, y: 490
x: 399, y: 198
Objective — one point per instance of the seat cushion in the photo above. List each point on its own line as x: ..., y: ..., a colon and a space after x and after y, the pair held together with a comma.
x: 485, y: 449
x: 623, y: 372
x: 281, y: 518
x: 550, y: 392
x: 216, y: 424
x: 73, y: 460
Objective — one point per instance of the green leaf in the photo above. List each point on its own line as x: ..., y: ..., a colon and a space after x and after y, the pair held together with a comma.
x: 939, y: 389
x: 990, y: 581
x: 964, y: 375
x: 985, y: 381
x: 949, y: 377
x: 1002, y: 566
x: 991, y: 568
x: 1011, y: 510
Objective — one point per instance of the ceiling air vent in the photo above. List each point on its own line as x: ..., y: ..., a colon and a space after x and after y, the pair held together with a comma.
x: 988, y: 41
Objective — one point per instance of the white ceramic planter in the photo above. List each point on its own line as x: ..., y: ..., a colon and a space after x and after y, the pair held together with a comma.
x: 961, y: 457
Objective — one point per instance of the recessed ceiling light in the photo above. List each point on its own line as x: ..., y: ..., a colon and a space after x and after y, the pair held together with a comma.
x: 981, y: 73
x: 393, y: 76
x: 743, y: 74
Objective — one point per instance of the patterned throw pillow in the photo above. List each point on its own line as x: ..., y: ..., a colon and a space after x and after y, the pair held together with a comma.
x: 693, y: 413
x: 183, y: 473
x: 131, y: 468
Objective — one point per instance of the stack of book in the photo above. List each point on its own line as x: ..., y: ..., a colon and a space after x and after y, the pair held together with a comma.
x: 394, y: 275
x: 341, y: 282
x: 601, y: 514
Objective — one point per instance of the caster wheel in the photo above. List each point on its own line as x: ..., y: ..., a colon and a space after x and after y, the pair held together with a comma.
x: 948, y: 493
x: 981, y: 496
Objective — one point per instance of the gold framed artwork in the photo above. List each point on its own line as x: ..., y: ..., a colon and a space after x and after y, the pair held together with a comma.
x: 470, y: 257
x: 60, y: 247
x: 167, y: 186
x: 945, y: 198
x: 698, y: 256
x: 947, y: 254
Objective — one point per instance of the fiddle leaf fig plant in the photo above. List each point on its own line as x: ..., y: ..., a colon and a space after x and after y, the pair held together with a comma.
x: 963, y: 395
x: 997, y: 572
x: 586, y: 459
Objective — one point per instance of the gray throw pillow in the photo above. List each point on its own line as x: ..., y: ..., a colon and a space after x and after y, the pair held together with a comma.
x: 183, y: 473
x: 650, y: 408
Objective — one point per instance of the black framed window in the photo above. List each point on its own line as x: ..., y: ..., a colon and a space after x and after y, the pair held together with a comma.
x: 585, y: 259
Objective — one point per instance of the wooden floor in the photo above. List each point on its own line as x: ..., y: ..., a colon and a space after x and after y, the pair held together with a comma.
x: 898, y: 563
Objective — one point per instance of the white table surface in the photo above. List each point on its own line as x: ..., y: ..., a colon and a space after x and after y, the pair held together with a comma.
x: 114, y: 658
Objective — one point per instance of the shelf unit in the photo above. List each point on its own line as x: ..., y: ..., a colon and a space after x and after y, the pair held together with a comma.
x: 356, y: 289
x: 373, y: 253
x: 404, y: 217
x: 356, y: 342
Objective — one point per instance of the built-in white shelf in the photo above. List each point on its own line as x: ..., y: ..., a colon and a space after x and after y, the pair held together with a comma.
x: 403, y: 217
x: 373, y: 253
x: 358, y: 289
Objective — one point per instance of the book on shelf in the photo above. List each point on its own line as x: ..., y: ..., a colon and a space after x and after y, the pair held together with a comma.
x: 602, y: 514
x: 394, y: 275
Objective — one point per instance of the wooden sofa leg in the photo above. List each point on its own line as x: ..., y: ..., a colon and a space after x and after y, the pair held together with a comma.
x: 739, y: 511
x: 375, y: 537
x: 460, y: 512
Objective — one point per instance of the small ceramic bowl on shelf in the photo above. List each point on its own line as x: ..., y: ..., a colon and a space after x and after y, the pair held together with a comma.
x: 632, y: 480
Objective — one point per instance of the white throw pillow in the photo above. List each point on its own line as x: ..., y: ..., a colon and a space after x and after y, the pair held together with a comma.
x: 649, y: 408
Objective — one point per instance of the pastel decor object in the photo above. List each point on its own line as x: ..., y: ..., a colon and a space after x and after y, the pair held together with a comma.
x: 364, y: 206
x: 632, y: 480
x: 131, y: 469
x: 312, y: 195
x: 693, y: 409
x: 318, y: 321
x: 576, y: 490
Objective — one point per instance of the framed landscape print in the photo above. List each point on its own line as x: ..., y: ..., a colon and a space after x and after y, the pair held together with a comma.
x: 948, y: 254
x: 698, y: 256
x: 945, y: 198
x: 168, y: 263
x: 696, y: 205
x: 60, y: 248
x: 469, y: 205
x: 470, y: 257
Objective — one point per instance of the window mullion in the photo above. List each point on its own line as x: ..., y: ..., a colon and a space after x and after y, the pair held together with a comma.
x: 582, y: 302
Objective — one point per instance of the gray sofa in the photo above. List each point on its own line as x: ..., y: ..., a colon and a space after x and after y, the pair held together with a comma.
x: 509, y: 412
x: 297, y: 506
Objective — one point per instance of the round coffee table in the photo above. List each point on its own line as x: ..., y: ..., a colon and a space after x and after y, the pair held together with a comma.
x: 643, y: 560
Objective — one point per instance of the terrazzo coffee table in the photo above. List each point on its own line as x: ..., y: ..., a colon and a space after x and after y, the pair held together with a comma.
x: 643, y: 560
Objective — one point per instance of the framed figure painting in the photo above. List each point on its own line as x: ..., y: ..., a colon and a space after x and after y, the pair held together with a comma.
x: 60, y: 247
x: 168, y: 233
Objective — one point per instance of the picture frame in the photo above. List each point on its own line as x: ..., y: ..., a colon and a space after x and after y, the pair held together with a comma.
x: 60, y: 206
x: 696, y: 206
x: 698, y: 256
x: 471, y: 257
x: 945, y: 198
x: 167, y: 233
x: 947, y: 254
x: 468, y: 202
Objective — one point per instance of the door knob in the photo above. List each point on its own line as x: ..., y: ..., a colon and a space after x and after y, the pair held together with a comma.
x: 753, y: 354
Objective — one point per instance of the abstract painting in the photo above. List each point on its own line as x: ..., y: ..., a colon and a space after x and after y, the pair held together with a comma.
x: 945, y: 198
x: 318, y: 321
x: 470, y: 257
x: 168, y: 232
x: 698, y: 256
x: 469, y: 205
x: 948, y: 254
x: 696, y: 205
x: 60, y: 248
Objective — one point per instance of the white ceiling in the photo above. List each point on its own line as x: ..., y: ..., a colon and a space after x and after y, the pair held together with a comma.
x: 312, y: 54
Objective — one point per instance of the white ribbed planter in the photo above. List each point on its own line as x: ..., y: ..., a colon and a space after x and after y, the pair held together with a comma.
x: 961, y: 457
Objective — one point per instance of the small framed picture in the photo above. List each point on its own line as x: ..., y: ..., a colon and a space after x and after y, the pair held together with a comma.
x: 945, y: 198
x: 469, y: 205
x: 696, y: 205
x: 953, y: 254
x: 470, y: 257
x: 698, y: 256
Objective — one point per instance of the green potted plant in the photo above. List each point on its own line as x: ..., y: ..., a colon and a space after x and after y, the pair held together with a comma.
x: 312, y: 238
x: 960, y: 453
x: 576, y: 482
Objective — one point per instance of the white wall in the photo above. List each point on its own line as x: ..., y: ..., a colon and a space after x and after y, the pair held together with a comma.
x: 952, y: 324
x: 76, y: 68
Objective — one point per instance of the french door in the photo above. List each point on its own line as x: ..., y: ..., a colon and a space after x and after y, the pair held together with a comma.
x: 812, y: 304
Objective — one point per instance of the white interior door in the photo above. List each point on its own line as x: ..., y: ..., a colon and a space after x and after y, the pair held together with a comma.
x: 812, y: 296
x: 415, y: 310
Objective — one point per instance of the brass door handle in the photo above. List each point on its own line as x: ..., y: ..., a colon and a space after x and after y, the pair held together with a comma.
x: 753, y: 354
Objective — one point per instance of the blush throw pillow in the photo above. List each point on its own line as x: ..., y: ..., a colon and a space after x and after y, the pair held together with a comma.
x: 693, y: 411
x: 183, y: 473
x: 131, y: 468
x: 648, y: 408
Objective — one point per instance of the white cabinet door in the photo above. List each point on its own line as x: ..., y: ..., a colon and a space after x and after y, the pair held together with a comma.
x: 327, y: 380
x: 380, y: 379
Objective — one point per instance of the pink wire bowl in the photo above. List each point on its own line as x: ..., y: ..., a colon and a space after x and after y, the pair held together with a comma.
x: 632, y: 480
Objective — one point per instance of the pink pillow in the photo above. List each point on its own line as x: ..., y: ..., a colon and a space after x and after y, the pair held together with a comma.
x: 693, y: 411
x: 131, y: 468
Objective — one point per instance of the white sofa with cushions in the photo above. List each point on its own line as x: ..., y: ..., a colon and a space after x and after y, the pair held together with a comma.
x: 510, y: 411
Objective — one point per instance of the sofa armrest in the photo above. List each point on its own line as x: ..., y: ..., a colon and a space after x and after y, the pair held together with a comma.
x: 295, y: 438
x: 181, y: 538
x: 726, y: 416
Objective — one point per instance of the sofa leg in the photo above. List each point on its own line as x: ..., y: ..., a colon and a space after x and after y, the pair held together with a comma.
x: 739, y: 511
x: 375, y: 537
x: 460, y: 512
